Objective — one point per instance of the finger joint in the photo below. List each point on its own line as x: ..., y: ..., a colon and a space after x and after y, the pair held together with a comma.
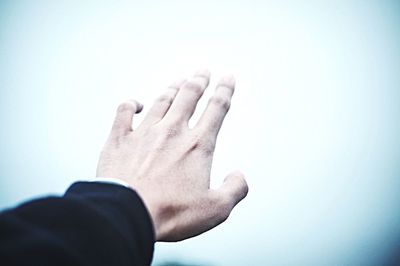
x: 222, y: 102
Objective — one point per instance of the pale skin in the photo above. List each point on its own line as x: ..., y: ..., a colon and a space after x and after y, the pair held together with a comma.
x: 168, y: 164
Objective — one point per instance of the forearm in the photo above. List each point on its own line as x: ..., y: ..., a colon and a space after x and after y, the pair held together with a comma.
x: 92, y: 224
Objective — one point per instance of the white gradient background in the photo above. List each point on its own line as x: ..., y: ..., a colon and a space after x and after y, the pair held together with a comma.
x: 314, y: 123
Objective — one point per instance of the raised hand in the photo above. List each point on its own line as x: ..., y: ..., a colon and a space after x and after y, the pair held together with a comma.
x: 169, y: 164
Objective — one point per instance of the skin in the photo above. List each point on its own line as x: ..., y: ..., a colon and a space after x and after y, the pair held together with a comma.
x: 168, y: 164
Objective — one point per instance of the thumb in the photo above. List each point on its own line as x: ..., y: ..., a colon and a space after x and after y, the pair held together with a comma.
x: 234, y: 188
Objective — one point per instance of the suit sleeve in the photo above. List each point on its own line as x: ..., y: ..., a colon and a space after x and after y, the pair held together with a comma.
x: 92, y: 224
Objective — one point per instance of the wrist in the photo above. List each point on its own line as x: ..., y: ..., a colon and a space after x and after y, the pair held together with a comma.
x: 157, y: 212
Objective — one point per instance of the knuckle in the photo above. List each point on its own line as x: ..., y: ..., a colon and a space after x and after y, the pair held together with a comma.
x: 165, y: 98
x: 220, y: 101
x: 204, y: 145
x: 227, y: 87
x: 170, y: 131
x: 174, y: 88
x: 194, y: 86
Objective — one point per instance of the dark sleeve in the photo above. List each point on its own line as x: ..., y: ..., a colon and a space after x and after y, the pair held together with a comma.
x: 92, y: 224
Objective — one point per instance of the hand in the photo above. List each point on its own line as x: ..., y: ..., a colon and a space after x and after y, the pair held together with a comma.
x: 169, y: 164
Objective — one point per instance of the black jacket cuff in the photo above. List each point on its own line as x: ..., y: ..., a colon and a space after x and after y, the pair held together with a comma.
x: 126, y: 213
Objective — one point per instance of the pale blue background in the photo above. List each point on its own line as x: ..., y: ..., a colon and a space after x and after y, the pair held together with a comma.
x: 314, y: 123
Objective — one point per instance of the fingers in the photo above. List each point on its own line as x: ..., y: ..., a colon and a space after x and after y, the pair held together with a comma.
x: 163, y: 103
x: 218, y: 106
x: 123, y: 120
x: 189, y: 94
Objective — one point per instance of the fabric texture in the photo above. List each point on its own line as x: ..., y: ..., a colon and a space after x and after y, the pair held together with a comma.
x: 93, y: 223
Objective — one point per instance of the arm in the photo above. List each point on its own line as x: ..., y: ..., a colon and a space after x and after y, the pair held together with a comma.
x: 92, y: 224
x: 167, y: 167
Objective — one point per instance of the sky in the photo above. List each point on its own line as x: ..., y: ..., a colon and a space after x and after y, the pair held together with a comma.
x: 314, y: 122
